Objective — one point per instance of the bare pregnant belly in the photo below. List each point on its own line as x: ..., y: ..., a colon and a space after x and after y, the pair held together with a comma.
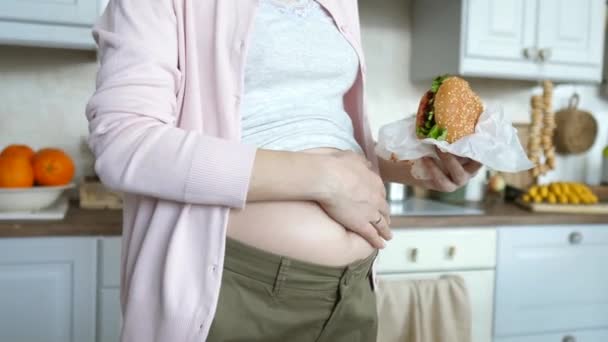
x: 299, y: 230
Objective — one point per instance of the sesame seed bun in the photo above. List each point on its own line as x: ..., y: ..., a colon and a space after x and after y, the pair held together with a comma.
x: 457, y: 108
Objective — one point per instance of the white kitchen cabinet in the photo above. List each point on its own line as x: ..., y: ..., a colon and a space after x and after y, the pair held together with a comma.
x: 500, y: 28
x: 53, y: 23
x: 572, y: 336
x: 108, y: 321
x: 518, y: 39
x: 570, y: 30
x: 552, y: 280
x: 480, y: 287
x: 427, y: 250
x: 47, y: 289
x: 109, y: 316
x: 430, y: 253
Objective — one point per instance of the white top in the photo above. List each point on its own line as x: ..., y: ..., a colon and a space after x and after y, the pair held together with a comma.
x: 299, y: 66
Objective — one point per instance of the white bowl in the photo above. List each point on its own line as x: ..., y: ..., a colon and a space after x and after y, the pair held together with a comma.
x: 28, y: 199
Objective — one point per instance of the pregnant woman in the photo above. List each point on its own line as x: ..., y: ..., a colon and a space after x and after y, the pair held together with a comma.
x: 253, y: 200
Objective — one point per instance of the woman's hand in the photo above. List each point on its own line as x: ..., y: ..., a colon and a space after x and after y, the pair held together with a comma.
x: 447, y: 174
x: 355, y: 197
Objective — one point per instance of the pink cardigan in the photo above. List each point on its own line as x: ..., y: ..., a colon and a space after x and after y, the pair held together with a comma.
x: 165, y: 129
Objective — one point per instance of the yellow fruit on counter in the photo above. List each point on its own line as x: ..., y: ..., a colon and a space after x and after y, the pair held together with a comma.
x: 533, y: 191
x: 544, y: 191
x: 561, y: 192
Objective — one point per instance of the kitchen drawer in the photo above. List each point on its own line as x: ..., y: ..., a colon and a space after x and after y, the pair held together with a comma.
x: 551, y: 279
x: 110, y: 261
x: 575, y: 336
x: 438, y: 249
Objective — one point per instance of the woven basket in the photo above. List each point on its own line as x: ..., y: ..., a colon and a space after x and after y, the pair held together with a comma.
x: 576, y: 129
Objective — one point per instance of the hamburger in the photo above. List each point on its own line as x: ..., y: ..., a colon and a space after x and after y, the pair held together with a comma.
x: 448, y: 111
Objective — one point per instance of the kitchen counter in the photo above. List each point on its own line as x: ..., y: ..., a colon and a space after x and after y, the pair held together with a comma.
x: 497, y: 215
x: 77, y: 222
x: 85, y: 222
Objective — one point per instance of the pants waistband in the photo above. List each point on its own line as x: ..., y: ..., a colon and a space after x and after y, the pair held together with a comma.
x: 291, y: 273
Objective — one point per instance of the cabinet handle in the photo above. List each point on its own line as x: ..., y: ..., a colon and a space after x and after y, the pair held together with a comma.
x: 414, y: 254
x: 451, y: 252
x: 575, y: 238
x: 530, y: 53
x: 569, y: 338
x: 544, y: 54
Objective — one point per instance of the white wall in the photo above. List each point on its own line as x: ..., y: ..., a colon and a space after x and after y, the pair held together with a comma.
x: 43, y: 92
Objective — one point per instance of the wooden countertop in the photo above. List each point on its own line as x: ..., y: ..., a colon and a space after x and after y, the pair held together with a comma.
x: 498, y: 215
x: 83, y: 222
x: 77, y: 222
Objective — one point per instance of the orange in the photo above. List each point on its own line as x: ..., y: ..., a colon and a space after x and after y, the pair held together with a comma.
x: 18, y: 150
x: 52, y: 166
x: 16, y: 172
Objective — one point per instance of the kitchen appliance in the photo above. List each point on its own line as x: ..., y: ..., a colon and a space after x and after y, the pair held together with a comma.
x: 396, y: 191
x: 426, y: 207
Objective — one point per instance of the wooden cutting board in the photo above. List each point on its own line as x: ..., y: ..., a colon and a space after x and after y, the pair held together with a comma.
x: 594, y: 209
x: 55, y: 211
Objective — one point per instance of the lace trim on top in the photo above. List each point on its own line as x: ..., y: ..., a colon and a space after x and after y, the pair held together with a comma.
x: 297, y: 8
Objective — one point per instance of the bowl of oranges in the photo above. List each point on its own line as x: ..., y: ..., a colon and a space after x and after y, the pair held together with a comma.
x: 32, y: 180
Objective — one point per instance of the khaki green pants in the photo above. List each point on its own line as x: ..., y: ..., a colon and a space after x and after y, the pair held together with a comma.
x: 265, y: 297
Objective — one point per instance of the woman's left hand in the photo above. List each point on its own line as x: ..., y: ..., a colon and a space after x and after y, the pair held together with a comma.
x: 447, y: 174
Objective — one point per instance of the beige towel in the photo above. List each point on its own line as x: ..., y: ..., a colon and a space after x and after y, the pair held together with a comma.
x: 433, y: 310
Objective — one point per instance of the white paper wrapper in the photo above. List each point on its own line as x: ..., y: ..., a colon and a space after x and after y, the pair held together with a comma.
x: 494, y: 144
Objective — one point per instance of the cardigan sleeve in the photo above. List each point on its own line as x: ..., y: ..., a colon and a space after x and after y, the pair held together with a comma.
x: 133, y: 113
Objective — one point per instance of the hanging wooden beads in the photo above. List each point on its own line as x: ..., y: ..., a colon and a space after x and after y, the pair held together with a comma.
x: 541, y: 132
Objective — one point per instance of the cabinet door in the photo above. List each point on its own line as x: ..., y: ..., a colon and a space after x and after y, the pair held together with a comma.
x: 551, y: 279
x: 480, y: 287
x: 499, y: 29
x: 47, y: 289
x: 571, y: 32
x: 109, y: 315
x: 569, y: 336
x: 109, y: 318
x: 65, y: 12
